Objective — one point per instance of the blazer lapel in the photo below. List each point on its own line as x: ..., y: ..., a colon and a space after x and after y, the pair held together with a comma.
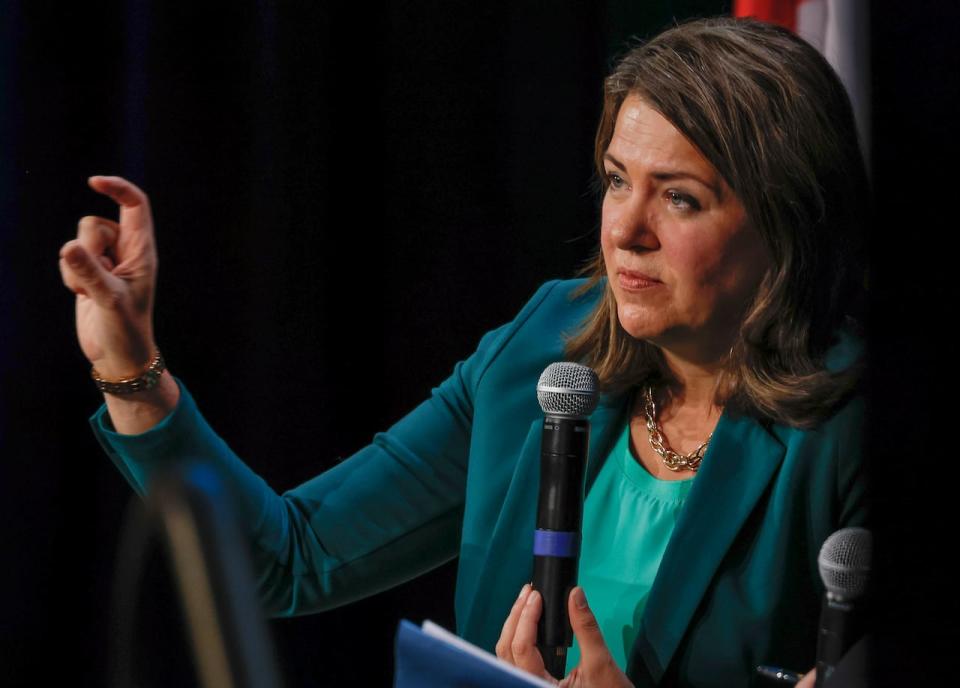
x: 740, y: 462
x: 605, y: 425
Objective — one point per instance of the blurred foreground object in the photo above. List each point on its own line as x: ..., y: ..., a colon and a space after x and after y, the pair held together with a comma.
x: 188, y: 509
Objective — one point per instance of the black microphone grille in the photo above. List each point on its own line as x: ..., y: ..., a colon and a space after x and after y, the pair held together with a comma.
x: 844, y: 562
x: 568, y: 389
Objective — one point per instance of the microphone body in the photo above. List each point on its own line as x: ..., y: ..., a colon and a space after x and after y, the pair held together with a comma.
x: 557, y: 538
x: 841, y: 625
x: 567, y: 394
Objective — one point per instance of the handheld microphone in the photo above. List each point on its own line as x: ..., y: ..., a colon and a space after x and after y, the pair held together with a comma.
x: 567, y: 393
x: 844, y: 564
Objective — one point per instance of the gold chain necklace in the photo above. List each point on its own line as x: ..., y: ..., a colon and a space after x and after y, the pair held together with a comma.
x: 670, y: 458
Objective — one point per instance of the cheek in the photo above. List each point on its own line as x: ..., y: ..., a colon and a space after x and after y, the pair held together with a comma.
x: 748, y: 261
x: 606, y: 243
x: 726, y: 277
x: 604, y: 222
x: 691, y: 261
x: 704, y: 274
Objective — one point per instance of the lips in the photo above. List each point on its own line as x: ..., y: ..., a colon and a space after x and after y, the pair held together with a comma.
x: 632, y: 280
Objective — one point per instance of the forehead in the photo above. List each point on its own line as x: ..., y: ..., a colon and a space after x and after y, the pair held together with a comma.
x: 643, y: 136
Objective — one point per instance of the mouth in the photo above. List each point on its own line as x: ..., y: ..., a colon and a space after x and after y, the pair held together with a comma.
x: 631, y: 280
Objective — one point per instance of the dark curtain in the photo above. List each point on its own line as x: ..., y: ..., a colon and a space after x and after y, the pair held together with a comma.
x: 346, y: 197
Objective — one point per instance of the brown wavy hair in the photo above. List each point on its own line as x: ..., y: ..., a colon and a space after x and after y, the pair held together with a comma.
x: 769, y: 113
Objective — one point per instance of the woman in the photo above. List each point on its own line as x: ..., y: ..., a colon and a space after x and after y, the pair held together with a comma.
x: 724, y: 450
x: 732, y: 211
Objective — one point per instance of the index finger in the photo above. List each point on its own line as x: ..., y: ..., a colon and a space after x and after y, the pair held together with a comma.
x: 119, y: 189
x: 503, y: 647
x: 526, y: 654
x: 133, y: 202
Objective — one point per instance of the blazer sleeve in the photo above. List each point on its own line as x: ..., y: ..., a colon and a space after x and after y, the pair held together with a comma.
x: 388, y: 513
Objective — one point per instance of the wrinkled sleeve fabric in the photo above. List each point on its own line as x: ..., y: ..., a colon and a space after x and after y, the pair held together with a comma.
x: 388, y: 513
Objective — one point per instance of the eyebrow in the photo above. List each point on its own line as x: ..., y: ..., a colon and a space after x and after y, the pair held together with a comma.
x: 667, y: 175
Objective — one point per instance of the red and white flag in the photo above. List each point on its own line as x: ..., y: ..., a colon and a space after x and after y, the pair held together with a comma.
x: 840, y: 30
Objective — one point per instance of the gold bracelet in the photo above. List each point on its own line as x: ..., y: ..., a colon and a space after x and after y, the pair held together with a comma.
x: 148, y: 379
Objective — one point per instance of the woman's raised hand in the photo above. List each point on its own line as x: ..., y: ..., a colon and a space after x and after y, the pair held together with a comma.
x: 112, y: 268
x: 518, y: 643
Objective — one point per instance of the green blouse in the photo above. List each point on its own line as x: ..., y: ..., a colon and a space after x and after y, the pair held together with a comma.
x: 628, y: 518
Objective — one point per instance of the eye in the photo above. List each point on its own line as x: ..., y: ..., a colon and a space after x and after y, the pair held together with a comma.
x: 682, y: 201
x: 615, y: 180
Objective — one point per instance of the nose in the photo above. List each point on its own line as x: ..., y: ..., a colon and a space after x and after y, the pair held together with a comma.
x: 633, y: 225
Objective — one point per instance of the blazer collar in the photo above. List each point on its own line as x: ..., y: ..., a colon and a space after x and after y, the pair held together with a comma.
x: 742, y: 458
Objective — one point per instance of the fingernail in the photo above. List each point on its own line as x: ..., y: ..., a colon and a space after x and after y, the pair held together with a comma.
x: 579, y: 598
x: 531, y: 598
x: 523, y: 590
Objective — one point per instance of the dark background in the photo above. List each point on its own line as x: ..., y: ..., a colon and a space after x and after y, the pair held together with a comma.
x: 346, y: 197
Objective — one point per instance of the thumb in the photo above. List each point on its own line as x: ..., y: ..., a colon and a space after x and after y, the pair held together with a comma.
x: 593, y: 650
x: 84, y: 274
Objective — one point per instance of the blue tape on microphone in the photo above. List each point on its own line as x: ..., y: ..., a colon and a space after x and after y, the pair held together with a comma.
x: 555, y: 543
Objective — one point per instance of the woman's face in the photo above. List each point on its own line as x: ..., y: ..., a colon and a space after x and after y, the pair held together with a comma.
x: 682, y: 260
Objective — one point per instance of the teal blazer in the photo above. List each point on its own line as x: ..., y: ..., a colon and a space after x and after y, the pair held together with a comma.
x: 457, y: 477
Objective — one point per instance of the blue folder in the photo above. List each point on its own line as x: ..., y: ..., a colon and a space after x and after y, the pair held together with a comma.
x: 436, y: 658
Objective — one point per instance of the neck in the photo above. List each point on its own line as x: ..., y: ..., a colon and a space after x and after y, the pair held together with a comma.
x: 695, y: 383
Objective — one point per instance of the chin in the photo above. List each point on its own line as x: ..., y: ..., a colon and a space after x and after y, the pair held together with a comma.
x: 638, y: 325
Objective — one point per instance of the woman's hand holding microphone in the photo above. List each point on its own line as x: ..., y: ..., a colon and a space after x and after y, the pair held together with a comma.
x: 112, y: 268
x: 518, y: 643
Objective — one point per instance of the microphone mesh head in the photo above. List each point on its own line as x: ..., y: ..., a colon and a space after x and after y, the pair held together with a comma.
x: 567, y: 389
x: 844, y: 562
